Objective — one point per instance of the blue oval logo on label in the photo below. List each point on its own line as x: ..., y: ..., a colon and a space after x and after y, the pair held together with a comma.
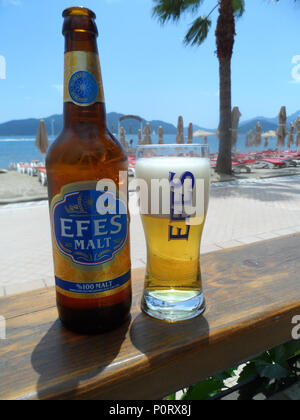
x: 85, y: 236
x: 83, y: 87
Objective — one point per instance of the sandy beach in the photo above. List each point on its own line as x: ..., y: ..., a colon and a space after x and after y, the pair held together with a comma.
x: 15, y: 187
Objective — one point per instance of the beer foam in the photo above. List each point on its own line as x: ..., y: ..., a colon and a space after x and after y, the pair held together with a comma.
x: 159, y: 168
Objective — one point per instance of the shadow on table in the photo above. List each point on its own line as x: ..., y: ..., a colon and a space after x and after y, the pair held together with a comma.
x: 149, y: 335
x: 65, y: 360
x: 165, y: 346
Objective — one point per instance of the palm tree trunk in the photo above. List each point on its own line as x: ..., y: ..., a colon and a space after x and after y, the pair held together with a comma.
x: 224, y: 163
x: 225, y: 34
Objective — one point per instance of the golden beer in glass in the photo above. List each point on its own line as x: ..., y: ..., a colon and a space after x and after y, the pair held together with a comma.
x: 173, y: 212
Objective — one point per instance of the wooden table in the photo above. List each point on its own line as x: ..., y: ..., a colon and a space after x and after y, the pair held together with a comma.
x: 252, y: 294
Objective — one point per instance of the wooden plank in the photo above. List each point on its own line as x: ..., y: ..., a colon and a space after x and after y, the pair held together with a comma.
x: 26, y: 303
x: 252, y: 294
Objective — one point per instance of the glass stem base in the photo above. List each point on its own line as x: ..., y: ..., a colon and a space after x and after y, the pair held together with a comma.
x: 171, y: 306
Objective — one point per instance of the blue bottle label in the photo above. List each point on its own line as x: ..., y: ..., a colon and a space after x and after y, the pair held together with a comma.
x: 83, y: 87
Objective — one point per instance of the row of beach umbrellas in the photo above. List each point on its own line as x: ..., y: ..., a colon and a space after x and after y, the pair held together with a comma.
x: 145, y: 137
x: 253, y: 138
x: 180, y: 138
x: 42, y: 141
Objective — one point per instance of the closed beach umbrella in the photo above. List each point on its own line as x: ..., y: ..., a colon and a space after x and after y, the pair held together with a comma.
x: 160, y: 135
x: 291, y: 135
x: 298, y: 133
x: 122, y: 136
x: 180, y: 131
x: 190, y: 133
x: 257, y: 135
x: 235, y: 119
x: 42, y: 141
x: 147, y: 134
x: 249, y: 138
x: 140, y: 138
x: 281, y: 130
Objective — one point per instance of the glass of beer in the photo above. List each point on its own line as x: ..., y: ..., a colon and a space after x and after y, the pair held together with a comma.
x: 174, y: 187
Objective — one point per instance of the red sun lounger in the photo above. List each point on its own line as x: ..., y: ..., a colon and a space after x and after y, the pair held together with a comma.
x: 276, y: 162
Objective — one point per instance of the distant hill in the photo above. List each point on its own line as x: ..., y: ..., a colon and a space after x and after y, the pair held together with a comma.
x: 29, y: 127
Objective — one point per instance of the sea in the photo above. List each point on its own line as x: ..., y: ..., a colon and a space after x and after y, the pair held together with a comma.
x: 22, y: 149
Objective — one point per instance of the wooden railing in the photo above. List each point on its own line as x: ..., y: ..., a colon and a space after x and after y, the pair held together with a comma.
x: 252, y: 294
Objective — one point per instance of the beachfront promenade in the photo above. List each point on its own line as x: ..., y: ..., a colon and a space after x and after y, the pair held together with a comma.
x: 240, y: 213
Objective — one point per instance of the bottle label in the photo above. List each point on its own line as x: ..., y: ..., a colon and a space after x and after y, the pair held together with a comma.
x: 83, y: 81
x: 89, y: 242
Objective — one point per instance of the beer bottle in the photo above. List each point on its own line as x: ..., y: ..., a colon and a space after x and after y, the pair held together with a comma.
x: 87, y: 188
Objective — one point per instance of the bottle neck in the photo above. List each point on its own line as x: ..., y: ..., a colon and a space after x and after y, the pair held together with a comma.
x: 94, y: 115
x: 83, y: 88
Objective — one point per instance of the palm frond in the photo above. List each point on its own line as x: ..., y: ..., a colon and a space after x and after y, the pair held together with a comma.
x: 238, y: 7
x: 198, y: 31
x: 166, y: 10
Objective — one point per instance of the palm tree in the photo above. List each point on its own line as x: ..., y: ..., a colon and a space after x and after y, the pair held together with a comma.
x: 229, y: 10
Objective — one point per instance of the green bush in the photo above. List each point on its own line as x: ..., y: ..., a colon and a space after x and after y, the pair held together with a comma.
x: 272, y: 371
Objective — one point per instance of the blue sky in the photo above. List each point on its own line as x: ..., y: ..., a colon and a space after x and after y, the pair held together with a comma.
x: 146, y: 68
